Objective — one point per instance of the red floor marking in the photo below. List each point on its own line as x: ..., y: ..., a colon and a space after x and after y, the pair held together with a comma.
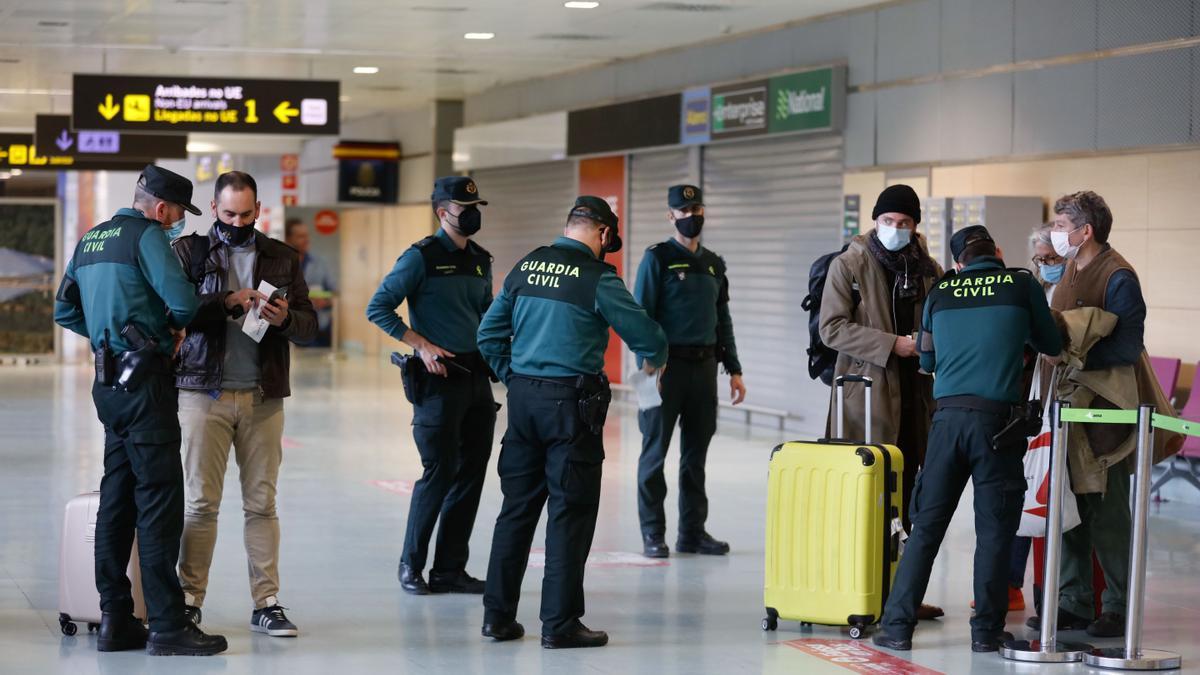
x: 399, y: 487
x: 857, y: 657
x: 291, y: 443
x: 603, y: 559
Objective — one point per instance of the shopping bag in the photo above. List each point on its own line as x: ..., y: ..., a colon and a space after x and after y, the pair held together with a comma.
x: 1037, y: 488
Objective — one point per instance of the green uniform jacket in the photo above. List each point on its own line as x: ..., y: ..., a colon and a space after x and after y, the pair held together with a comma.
x: 688, y: 295
x: 123, y: 272
x: 447, y: 289
x: 552, y: 317
x: 975, y: 327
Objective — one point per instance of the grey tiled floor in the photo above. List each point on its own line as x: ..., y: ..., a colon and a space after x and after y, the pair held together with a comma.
x: 347, y: 426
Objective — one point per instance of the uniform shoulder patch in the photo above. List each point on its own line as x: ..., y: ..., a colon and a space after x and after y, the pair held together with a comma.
x: 426, y: 241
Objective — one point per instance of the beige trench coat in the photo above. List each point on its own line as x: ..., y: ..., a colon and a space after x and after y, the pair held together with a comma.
x: 864, y: 337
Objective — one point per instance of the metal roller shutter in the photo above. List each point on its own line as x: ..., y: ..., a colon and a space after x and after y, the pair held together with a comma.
x: 527, y: 207
x: 772, y: 207
x: 650, y: 174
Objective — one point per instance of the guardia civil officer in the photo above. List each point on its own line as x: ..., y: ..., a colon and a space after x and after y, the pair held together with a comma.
x: 545, y: 338
x: 447, y: 280
x: 683, y: 287
x: 974, y: 329
x: 124, y: 290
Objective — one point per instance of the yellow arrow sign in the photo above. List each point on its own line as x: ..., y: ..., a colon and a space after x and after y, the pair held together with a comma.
x: 284, y: 112
x: 107, y: 109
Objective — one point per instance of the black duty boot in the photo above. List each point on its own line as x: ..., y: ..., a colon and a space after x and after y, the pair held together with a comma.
x: 1109, y: 625
x: 187, y: 641
x: 411, y: 580
x: 888, y: 642
x: 120, y: 632
x: 1066, y: 621
x: 577, y: 637
x: 700, y: 542
x: 990, y: 644
x: 455, y: 582
x: 503, y: 631
x: 654, y: 546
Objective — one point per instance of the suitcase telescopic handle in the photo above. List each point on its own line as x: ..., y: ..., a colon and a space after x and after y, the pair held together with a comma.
x: 840, y: 383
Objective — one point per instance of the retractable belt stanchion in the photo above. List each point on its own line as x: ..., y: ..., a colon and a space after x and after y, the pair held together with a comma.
x: 1132, y: 656
x: 1048, y: 649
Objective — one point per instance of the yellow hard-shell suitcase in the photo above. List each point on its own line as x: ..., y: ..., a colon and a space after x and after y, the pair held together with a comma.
x: 834, y: 531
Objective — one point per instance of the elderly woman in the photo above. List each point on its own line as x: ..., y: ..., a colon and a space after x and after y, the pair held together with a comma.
x: 1050, y: 265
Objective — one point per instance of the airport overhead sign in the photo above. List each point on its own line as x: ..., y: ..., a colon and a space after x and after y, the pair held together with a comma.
x: 18, y: 151
x: 153, y: 104
x: 53, y: 133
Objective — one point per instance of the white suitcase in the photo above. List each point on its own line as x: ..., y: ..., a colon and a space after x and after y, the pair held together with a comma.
x: 78, y: 599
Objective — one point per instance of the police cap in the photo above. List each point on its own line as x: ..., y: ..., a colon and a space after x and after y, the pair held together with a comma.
x: 168, y: 186
x: 457, y: 189
x: 680, y: 196
x: 598, y: 210
x: 967, y: 236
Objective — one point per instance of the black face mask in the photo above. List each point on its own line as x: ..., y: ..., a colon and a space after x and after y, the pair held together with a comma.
x: 232, y: 235
x: 690, y: 227
x: 469, y: 221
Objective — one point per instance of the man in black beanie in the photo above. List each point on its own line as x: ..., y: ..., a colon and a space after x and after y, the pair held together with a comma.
x: 871, y: 309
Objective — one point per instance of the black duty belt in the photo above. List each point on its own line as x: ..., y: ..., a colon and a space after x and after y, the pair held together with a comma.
x: 580, y: 382
x: 977, y: 403
x: 692, y: 352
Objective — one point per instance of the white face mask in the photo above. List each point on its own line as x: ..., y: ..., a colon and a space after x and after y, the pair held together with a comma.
x: 893, y: 238
x: 1062, y: 244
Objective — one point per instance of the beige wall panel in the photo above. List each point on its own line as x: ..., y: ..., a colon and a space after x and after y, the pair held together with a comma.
x: 1172, y: 332
x: 1171, y: 271
x: 1133, y: 245
x: 952, y: 180
x: 1171, y: 176
x: 868, y: 185
x: 361, y: 272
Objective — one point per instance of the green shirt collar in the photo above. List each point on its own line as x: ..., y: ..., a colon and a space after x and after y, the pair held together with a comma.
x: 129, y: 212
x: 984, y: 263
x: 447, y: 242
x: 681, y: 247
x: 567, y: 242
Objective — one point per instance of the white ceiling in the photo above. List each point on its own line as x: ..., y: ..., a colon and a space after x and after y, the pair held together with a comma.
x: 417, y: 44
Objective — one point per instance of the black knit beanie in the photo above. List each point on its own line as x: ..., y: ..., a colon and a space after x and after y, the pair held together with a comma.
x: 898, y: 199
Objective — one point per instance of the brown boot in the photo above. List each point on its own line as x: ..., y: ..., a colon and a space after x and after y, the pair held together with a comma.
x: 929, y: 613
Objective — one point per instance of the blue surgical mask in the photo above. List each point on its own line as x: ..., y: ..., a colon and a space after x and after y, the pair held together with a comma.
x: 893, y: 238
x: 176, y: 229
x: 1051, y: 274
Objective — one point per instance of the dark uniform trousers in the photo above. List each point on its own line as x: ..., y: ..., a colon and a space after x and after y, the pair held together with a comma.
x: 689, y: 396
x: 960, y: 448
x: 453, y: 427
x: 143, y: 488
x: 547, y: 454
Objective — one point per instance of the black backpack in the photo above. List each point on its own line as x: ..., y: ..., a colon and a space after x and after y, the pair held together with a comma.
x: 821, y: 357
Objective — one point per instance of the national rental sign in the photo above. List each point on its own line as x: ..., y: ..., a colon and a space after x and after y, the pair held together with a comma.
x: 801, y: 101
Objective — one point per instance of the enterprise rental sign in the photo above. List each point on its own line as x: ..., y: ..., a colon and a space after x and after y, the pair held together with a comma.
x: 177, y: 104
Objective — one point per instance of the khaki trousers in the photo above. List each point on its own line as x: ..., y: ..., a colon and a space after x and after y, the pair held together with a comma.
x: 254, y: 428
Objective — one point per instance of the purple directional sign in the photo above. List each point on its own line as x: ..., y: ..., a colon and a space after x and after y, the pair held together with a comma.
x: 100, y: 142
x: 54, y: 132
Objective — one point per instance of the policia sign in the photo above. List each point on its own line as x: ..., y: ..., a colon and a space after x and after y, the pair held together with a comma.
x: 177, y: 104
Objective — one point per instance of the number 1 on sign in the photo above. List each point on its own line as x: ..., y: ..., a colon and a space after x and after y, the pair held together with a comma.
x: 251, y: 111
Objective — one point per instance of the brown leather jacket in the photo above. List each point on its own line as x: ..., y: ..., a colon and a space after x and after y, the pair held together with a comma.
x: 205, y: 259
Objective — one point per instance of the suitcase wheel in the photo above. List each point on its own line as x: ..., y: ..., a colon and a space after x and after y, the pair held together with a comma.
x: 68, y: 628
x: 772, y: 621
x: 93, y: 627
x: 856, y: 632
x: 806, y: 624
